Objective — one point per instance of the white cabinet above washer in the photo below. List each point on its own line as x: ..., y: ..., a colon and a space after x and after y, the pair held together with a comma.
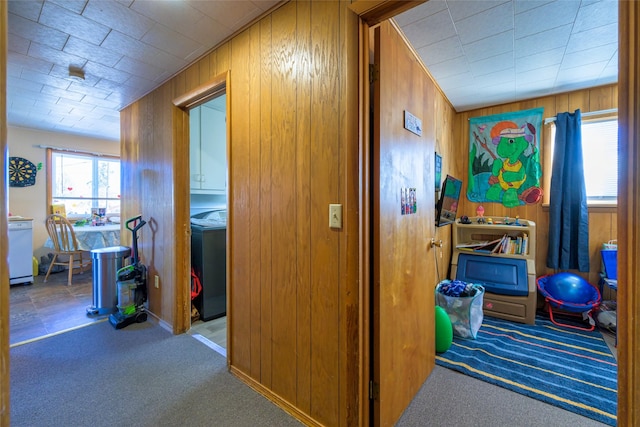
x: 208, y: 147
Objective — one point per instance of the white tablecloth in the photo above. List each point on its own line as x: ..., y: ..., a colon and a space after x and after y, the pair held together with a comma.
x: 94, y: 237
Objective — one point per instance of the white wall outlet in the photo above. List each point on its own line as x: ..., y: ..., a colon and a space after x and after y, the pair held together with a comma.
x: 156, y: 281
x: 335, y: 216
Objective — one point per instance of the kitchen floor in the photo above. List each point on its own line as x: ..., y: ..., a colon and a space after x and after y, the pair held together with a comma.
x: 41, y: 309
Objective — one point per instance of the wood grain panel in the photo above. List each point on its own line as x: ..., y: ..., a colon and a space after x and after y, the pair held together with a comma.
x: 351, y: 369
x: 5, y: 410
x: 629, y: 208
x: 255, y: 180
x: 403, y: 303
x: 324, y: 183
x: 239, y: 190
x: 283, y: 202
x: 266, y: 237
x: 304, y: 176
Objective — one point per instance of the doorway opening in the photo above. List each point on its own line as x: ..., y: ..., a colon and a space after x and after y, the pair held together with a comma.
x: 208, y: 213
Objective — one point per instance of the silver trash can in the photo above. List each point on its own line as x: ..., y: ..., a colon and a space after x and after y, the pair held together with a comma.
x: 106, y: 263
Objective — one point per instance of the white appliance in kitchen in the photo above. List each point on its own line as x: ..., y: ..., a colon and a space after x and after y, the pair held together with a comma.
x: 20, y: 250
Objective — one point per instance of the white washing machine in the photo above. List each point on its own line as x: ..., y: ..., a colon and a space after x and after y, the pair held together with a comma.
x: 20, y: 250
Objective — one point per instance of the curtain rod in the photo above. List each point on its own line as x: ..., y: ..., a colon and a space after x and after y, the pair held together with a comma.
x: 587, y: 114
x: 73, y: 150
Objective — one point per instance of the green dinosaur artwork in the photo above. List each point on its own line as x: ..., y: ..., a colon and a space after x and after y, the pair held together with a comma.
x: 504, y: 158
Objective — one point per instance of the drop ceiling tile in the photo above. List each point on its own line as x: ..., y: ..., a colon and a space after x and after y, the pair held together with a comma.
x: 541, y: 73
x: 61, y: 93
x: 441, y: 51
x: 531, y: 88
x: 75, y: 6
x: 36, y: 32
x: 542, y: 42
x: 29, y: 9
x: 461, y: 9
x: 141, y: 51
x: 15, y: 84
x: 494, y: 64
x: 420, y: 12
x: 92, y: 52
x: 595, y: 15
x: 594, y: 37
x: 539, y: 60
x: 592, y: 72
x: 597, y: 54
x: 523, y: 6
x: 265, y: 5
x: 118, y: 17
x: 207, y: 31
x: 485, y: 24
x: 101, y: 72
x: 72, y: 23
x: 171, y: 14
x: 17, y: 44
x: 235, y: 12
x: 429, y: 30
x: 29, y: 62
x: 60, y: 58
x: 547, y: 17
x: 169, y: 41
x: 45, y: 79
x: 450, y: 68
x: 105, y: 104
x: 79, y: 87
x: 490, y: 46
x: 14, y: 102
x: 138, y: 68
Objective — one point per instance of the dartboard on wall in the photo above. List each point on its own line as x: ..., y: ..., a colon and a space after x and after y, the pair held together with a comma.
x: 22, y: 173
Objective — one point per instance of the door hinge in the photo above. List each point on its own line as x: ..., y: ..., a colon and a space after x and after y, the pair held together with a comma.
x: 374, y: 73
x: 374, y: 390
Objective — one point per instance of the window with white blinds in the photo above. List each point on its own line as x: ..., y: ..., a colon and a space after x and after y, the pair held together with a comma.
x: 600, y: 159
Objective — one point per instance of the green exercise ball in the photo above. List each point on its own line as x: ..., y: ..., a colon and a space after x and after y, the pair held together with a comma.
x: 444, y: 330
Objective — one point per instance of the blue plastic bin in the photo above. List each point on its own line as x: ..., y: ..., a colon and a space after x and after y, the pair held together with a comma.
x: 610, y: 261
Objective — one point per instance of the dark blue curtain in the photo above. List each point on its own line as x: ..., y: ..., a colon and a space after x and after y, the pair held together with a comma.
x: 568, y: 214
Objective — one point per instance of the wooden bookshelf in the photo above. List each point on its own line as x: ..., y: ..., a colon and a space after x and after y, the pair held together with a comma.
x: 505, y: 238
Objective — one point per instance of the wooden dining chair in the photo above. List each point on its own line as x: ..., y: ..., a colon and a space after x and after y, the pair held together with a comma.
x: 65, y: 244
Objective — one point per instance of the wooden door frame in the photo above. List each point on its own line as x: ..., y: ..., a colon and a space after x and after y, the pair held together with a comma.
x: 181, y: 105
x: 373, y: 12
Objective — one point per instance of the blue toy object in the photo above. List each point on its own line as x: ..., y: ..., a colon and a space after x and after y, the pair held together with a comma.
x: 570, y: 293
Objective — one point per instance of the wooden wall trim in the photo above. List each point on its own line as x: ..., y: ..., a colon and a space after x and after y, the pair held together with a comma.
x: 365, y: 224
x: 629, y: 218
x: 202, y: 93
x: 375, y: 11
x: 4, y: 250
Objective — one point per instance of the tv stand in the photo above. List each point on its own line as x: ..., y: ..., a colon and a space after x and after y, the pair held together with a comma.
x: 508, y: 272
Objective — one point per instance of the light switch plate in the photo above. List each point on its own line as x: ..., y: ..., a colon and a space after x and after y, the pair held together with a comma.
x: 335, y: 216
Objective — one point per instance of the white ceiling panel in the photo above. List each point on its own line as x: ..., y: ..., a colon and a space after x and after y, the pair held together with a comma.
x: 480, y: 52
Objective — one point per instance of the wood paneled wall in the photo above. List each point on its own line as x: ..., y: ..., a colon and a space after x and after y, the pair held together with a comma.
x: 602, y: 221
x: 293, y: 149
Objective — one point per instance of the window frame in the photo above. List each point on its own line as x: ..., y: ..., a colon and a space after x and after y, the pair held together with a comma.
x: 547, y: 155
x: 49, y: 172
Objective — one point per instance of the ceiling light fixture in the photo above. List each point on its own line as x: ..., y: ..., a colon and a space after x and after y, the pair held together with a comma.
x: 76, y: 72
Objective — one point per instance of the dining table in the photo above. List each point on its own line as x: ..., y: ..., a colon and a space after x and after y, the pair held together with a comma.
x: 94, y: 236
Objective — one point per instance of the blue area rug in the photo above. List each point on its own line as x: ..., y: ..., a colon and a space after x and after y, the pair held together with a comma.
x: 568, y: 368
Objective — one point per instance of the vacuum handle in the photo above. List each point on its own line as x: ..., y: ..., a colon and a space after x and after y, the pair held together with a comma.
x: 137, y: 226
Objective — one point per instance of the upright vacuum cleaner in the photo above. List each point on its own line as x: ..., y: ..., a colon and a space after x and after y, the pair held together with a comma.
x: 131, y: 284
